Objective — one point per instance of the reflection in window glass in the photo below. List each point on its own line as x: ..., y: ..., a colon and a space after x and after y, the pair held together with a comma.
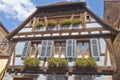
x: 102, y: 45
x: 76, y: 26
x: 80, y: 49
x: 60, y: 49
x: 83, y: 49
x: 86, y: 49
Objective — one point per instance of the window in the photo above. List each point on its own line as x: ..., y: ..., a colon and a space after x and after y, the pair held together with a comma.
x: 25, y: 50
x: 76, y: 26
x: 83, y: 49
x: 41, y: 28
x: 87, y: 18
x: 95, y: 48
x: 70, y: 48
x: 46, y: 49
x: 60, y: 49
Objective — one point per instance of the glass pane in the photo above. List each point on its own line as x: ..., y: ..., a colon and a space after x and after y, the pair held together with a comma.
x: 69, y: 53
x: 56, y: 52
x: 49, y: 42
x: 57, y: 44
x: 76, y: 26
x: 39, y: 50
x: 63, y: 44
x: 80, y: 49
x: 44, y: 42
x: 70, y: 42
x: 63, y: 51
x: 94, y: 41
x: 86, y: 49
x: 102, y: 45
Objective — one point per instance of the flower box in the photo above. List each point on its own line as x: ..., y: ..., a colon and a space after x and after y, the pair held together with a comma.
x: 31, y: 62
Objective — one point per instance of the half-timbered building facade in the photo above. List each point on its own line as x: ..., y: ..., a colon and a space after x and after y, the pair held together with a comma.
x: 76, y: 33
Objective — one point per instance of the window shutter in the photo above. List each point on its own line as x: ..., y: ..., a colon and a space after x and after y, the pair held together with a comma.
x: 70, y: 48
x: 46, y: 48
x: 43, y: 48
x: 95, y: 48
x: 49, y: 48
x: 25, y: 50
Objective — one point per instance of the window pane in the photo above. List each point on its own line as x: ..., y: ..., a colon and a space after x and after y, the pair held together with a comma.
x: 94, y: 42
x: 102, y: 45
x: 80, y: 49
x: 49, y: 42
x: 44, y: 42
x: 69, y: 53
x: 56, y: 52
x: 86, y: 49
x: 63, y: 50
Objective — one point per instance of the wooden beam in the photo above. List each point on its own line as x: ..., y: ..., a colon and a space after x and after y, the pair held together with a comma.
x: 62, y: 31
x: 62, y: 70
x: 72, y: 16
x: 111, y: 52
x: 46, y: 21
x: 107, y: 35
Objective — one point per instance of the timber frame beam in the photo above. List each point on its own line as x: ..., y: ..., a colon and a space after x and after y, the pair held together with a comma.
x: 107, y: 35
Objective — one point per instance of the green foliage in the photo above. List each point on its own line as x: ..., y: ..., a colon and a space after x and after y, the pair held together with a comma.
x: 65, y: 22
x: 62, y: 61
x: 85, y: 62
x: 76, y: 21
x: 39, y: 24
x: 91, y: 62
x: 80, y: 62
x: 57, y: 61
x: 52, y: 61
x: 52, y: 23
x: 31, y: 62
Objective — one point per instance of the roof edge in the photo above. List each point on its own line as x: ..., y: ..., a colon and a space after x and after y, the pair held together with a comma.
x: 60, y: 4
x: 3, y: 27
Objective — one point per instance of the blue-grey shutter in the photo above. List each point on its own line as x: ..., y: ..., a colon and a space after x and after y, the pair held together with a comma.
x: 70, y: 48
x: 25, y: 49
x: 95, y: 48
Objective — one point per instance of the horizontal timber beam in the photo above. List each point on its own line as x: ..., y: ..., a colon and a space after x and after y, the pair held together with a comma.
x: 107, y: 35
